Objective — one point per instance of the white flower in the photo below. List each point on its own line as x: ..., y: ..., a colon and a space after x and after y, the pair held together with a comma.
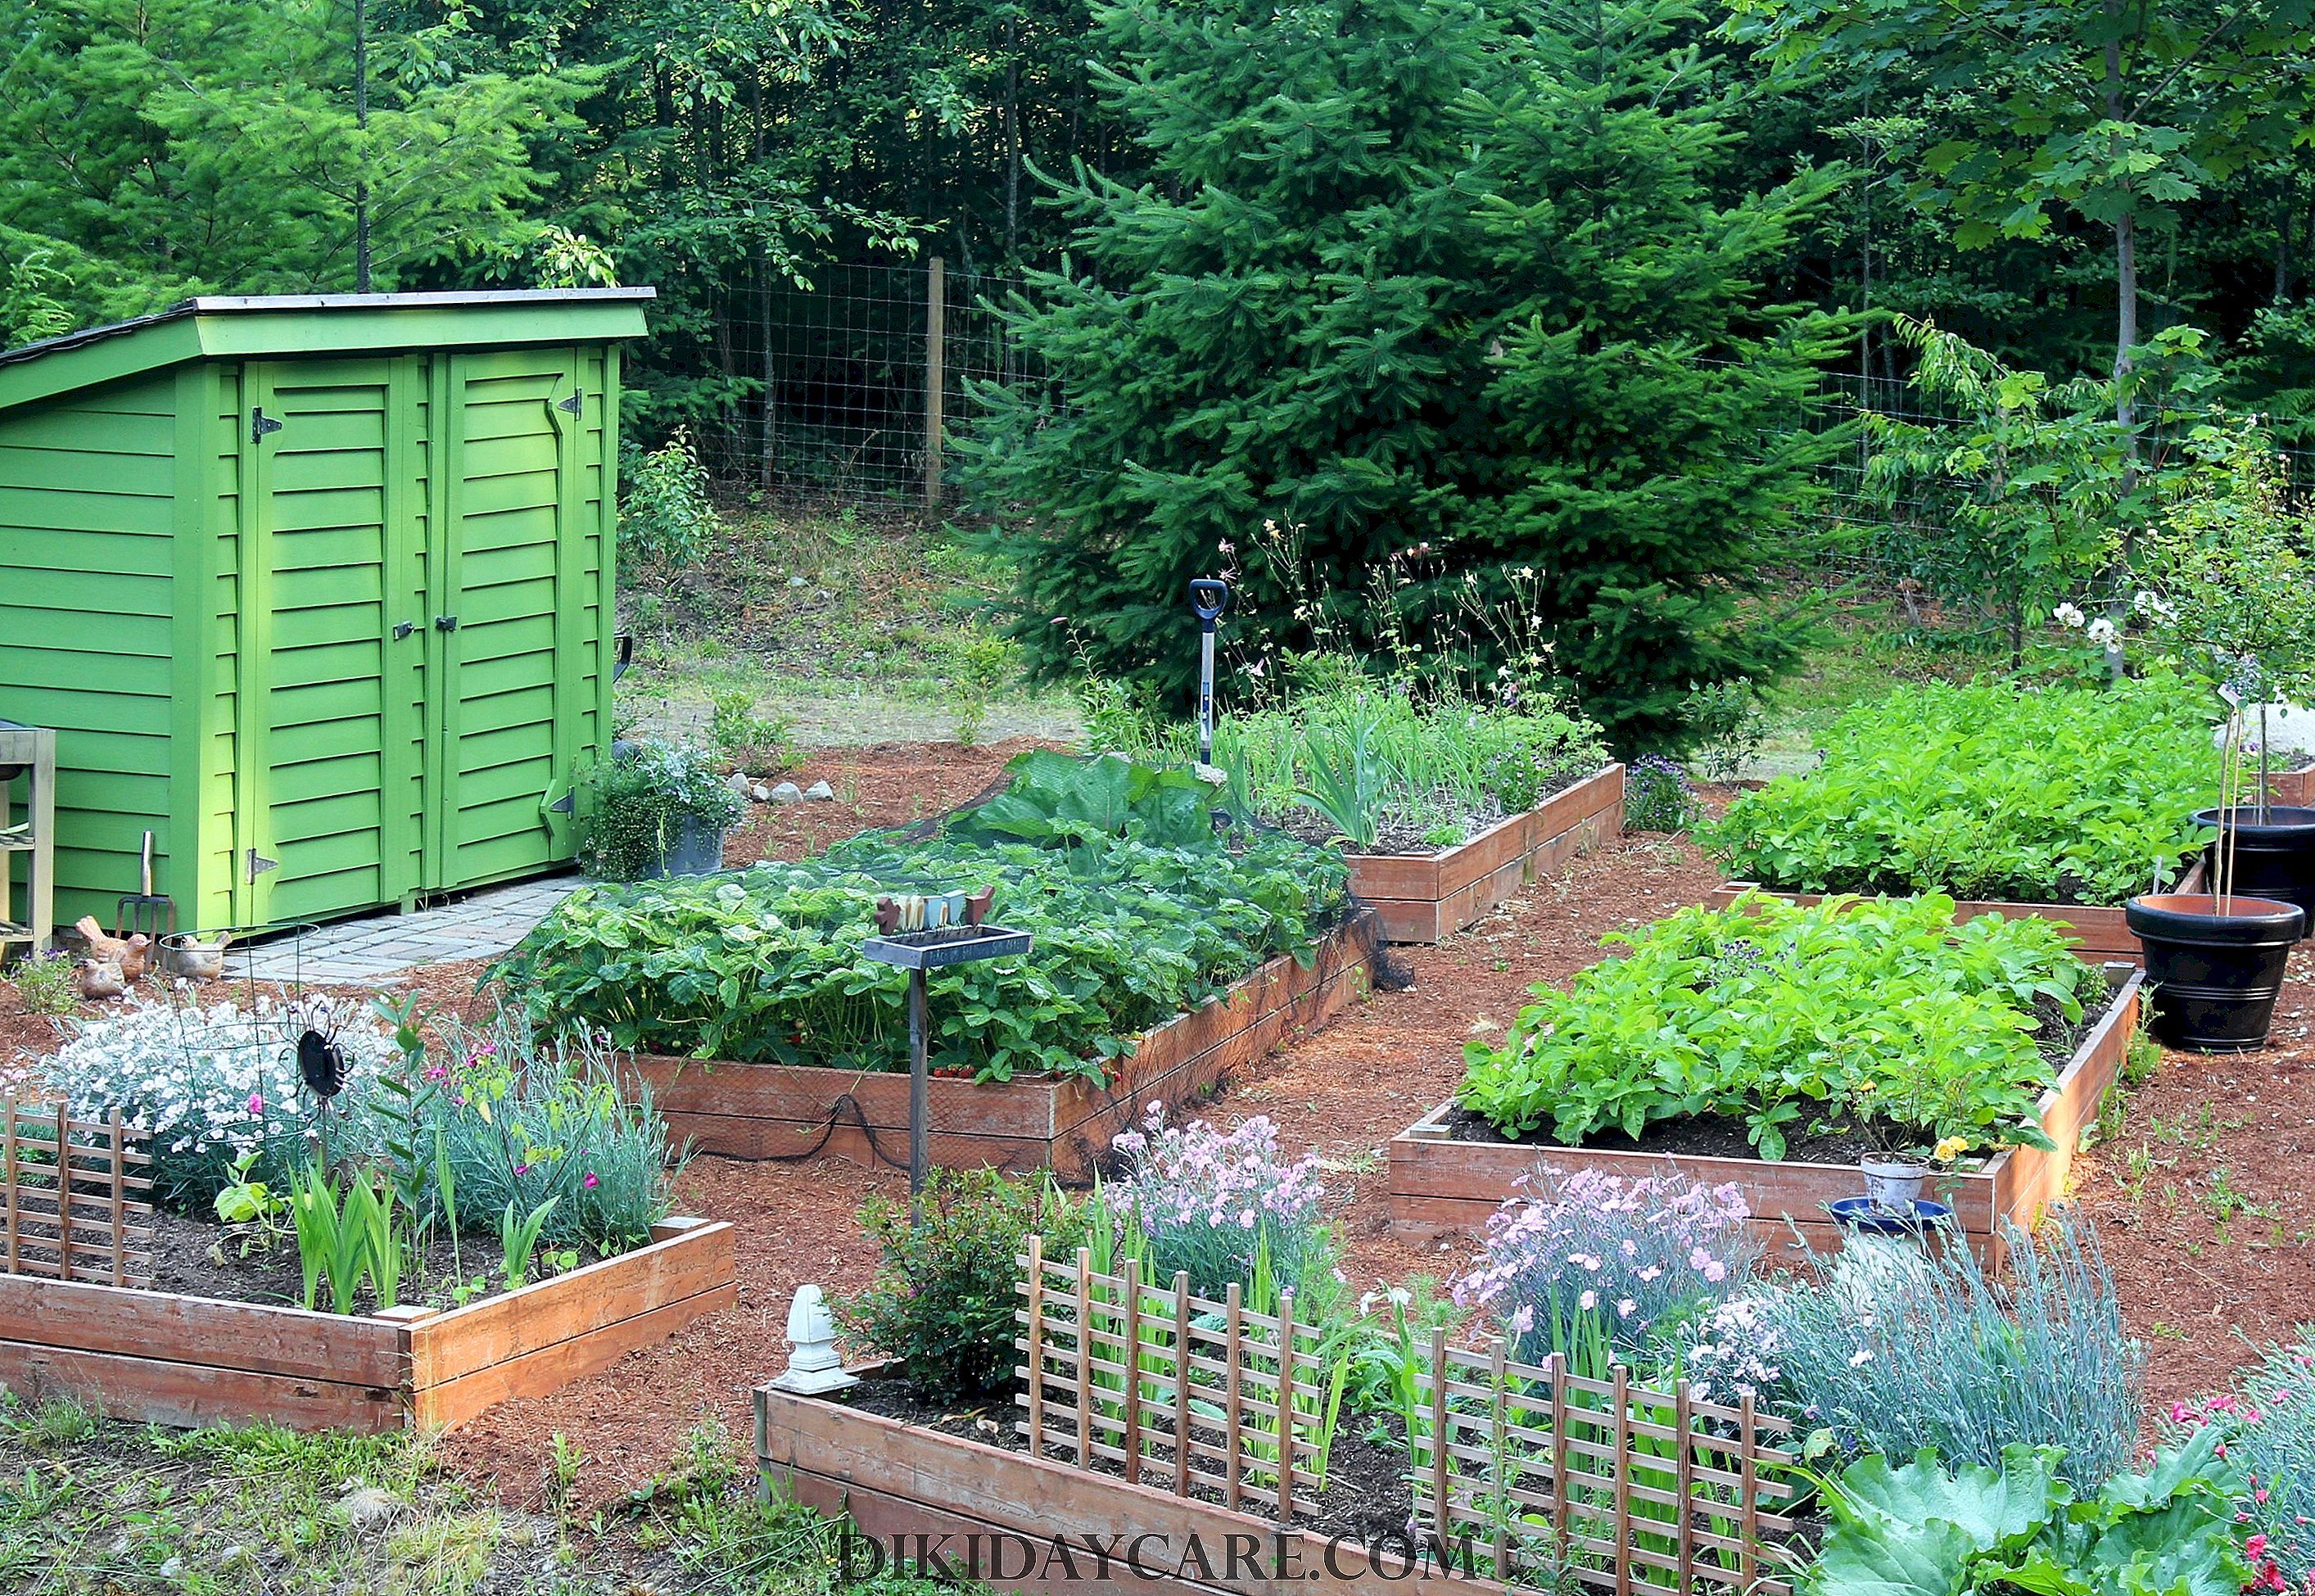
x: 1400, y: 1296
x: 2068, y: 615
x: 2103, y: 632
x: 1859, y: 1357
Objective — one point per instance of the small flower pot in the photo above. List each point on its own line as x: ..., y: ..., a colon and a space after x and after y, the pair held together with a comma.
x: 697, y: 849
x: 2271, y: 853
x: 1895, y: 1184
x: 2214, y: 976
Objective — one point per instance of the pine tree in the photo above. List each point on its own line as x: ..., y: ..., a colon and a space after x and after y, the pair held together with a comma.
x: 1407, y: 274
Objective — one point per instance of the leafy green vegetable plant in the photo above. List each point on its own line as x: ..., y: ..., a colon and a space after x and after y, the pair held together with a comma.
x: 1923, y: 1528
x: 1990, y: 791
x: 1878, y: 1011
x: 1347, y: 781
x: 763, y: 965
x: 332, y: 1245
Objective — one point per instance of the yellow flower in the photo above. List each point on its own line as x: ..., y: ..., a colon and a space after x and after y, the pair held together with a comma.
x: 1864, y: 1087
x: 1950, y: 1148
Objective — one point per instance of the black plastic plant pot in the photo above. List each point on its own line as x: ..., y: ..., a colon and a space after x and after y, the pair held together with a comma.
x: 2213, y: 978
x: 2273, y: 853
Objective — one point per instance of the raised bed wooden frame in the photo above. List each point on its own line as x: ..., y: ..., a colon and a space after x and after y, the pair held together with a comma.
x: 1429, y: 897
x: 988, y: 1511
x: 788, y: 1111
x: 2102, y: 935
x: 164, y: 1358
x: 1438, y: 1185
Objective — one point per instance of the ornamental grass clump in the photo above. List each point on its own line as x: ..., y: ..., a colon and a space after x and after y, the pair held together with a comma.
x: 1591, y: 1262
x: 1902, y: 1347
x: 1217, y: 1204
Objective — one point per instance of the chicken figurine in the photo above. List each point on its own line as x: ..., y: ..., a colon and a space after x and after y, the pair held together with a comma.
x: 101, y: 978
x: 129, y: 956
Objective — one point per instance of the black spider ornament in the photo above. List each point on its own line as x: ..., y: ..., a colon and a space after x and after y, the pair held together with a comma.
x: 321, y: 1064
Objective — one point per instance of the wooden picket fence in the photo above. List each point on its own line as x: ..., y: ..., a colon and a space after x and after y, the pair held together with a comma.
x: 1171, y: 1387
x: 1615, y: 1485
x: 72, y: 1205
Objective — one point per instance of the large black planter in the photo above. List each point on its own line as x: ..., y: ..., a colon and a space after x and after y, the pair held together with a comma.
x: 2273, y: 853
x: 2213, y: 978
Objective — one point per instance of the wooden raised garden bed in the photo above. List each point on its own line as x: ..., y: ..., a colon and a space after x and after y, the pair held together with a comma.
x: 162, y: 1358
x: 1438, y: 1185
x: 789, y: 1110
x: 1430, y: 897
x: 2102, y: 935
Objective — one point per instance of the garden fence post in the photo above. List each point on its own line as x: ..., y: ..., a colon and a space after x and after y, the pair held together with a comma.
x: 119, y: 1234
x: 1747, y: 1491
x: 1440, y: 1477
x: 1499, y: 1446
x: 919, y: 1097
x: 1036, y: 1348
x: 8, y: 1174
x: 1683, y: 1486
x: 1085, y: 1357
x: 64, y: 1192
x: 1181, y: 1382
x: 935, y: 376
x: 1132, y: 1360
x: 1555, y: 1375
x: 1233, y: 1411
x: 1285, y: 1408
x: 1622, y: 1398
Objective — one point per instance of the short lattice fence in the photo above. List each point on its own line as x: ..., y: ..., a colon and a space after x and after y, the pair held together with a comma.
x: 1170, y: 1387
x: 1617, y: 1485
x: 72, y: 1205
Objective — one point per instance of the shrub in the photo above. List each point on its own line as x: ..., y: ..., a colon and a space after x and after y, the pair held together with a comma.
x: 527, y: 1121
x: 1880, y: 1013
x: 1214, y: 1205
x: 1592, y: 1259
x: 1657, y: 796
x: 666, y: 524
x: 943, y: 1298
x: 764, y: 965
x: 760, y: 743
x: 202, y: 1085
x: 2268, y: 1430
x: 1902, y: 1348
x: 634, y: 807
x: 2024, y: 1522
x: 1990, y: 791
x: 45, y: 983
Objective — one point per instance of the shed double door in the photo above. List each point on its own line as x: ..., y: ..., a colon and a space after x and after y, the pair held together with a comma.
x: 409, y: 708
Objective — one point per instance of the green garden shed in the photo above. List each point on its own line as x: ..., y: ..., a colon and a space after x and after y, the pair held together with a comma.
x: 315, y: 588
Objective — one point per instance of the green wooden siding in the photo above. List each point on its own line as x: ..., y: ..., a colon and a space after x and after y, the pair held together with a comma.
x: 207, y: 613
x: 87, y: 500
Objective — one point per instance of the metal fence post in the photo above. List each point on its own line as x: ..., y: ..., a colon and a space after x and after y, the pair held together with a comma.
x: 936, y: 378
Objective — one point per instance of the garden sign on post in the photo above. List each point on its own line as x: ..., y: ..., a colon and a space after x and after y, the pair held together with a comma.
x: 940, y: 930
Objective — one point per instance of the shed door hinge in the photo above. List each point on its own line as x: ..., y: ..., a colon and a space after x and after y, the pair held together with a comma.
x: 260, y: 424
x: 570, y: 404
x: 259, y: 864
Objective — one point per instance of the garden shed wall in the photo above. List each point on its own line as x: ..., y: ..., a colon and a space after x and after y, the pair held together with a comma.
x: 324, y: 602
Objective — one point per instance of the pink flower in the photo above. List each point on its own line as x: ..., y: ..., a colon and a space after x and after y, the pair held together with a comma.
x: 520, y: 1170
x: 590, y: 1183
x: 256, y: 1105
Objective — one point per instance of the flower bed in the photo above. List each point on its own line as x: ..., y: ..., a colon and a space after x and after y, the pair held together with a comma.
x: 1061, y: 1121
x: 1771, y: 1046
x: 1427, y: 898
x: 1990, y: 792
x: 165, y: 1358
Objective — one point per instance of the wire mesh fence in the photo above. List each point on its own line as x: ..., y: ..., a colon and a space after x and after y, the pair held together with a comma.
x: 858, y: 388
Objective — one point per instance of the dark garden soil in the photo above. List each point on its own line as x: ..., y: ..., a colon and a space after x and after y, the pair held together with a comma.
x: 199, y: 1259
x: 1366, y: 1491
x: 2204, y: 1195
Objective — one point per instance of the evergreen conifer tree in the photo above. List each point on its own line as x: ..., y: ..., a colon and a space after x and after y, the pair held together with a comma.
x: 1413, y: 274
